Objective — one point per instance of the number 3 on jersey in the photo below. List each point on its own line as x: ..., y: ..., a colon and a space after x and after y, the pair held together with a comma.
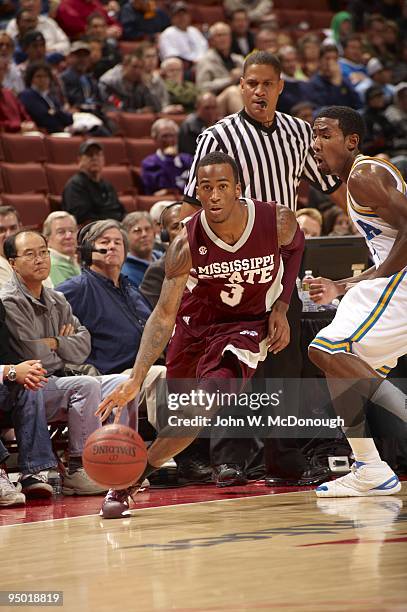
x: 370, y: 231
x: 232, y: 297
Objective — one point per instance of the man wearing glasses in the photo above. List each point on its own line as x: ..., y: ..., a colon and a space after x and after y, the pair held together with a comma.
x: 42, y: 326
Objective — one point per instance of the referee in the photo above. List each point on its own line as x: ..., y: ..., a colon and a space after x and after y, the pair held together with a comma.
x: 273, y: 153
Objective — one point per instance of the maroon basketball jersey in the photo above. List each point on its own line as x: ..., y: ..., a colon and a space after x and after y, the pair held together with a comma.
x: 230, y: 283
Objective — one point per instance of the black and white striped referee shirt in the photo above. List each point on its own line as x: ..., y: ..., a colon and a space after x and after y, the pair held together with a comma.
x: 271, y: 161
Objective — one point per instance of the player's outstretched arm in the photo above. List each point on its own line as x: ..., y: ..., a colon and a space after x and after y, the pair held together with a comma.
x: 158, y: 328
x: 375, y: 187
x: 291, y: 242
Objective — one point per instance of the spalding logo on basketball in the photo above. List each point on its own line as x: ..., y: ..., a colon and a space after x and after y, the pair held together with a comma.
x: 114, y: 456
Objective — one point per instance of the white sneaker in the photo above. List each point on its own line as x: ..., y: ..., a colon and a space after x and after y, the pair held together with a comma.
x: 9, y: 494
x: 363, y: 481
x: 79, y: 483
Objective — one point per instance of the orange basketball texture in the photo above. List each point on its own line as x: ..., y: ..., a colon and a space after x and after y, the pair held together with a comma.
x: 114, y: 456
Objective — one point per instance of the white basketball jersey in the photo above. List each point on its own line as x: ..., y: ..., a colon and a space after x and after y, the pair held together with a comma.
x: 379, y: 235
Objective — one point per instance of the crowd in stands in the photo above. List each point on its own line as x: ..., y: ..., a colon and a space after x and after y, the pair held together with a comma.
x: 85, y: 67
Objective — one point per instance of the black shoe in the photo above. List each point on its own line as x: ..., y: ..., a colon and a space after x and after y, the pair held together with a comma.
x: 311, y: 476
x: 193, y: 470
x: 228, y: 475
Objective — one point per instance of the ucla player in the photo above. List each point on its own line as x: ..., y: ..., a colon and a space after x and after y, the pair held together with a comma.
x: 229, y: 278
x: 369, y: 331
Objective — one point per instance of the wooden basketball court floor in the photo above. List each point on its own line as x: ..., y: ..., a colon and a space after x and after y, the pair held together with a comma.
x: 286, y: 551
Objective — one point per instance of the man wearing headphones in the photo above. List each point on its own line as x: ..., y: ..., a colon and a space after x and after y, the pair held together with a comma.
x: 108, y: 305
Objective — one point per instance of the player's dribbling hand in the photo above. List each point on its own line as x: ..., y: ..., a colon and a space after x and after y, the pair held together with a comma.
x: 322, y: 290
x: 118, y: 398
x: 278, y: 331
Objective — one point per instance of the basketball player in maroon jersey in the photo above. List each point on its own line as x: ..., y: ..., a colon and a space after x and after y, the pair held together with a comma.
x: 230, y: 274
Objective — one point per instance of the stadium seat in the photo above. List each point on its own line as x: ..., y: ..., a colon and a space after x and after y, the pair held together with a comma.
x: 21, y: 148
x: 33, y: 208
x: 138, y: 149
x: 128, y: 46
x: 137, y: 125
x: 120, y: 177
x: 320, y: 19
x: 23, y: 178
x: 178, y: 118
x: 206, y: 14
x: 1, y: 150
x: 63, y: 150
x: 1, y: 183
x: 115, y: 151
x: 58, y: 175
x: 145, y: 202
x: 129, y: 202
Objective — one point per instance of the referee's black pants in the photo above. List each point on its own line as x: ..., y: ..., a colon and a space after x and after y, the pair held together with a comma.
x: 282, y: 456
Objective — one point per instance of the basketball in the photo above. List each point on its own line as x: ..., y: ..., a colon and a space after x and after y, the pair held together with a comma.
x: 114, y: 456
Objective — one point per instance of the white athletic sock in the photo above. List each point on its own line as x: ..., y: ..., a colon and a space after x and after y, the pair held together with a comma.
x: 392, y: 399
x: 365, y: 450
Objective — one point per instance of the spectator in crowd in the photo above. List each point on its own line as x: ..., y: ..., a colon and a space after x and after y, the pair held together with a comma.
x: 181, y: 93
x: 41, y: 324
x: 153, y: 278
x: 341, y: 28
x: 257, y: 10
x: 25, y: 21
x: 141, y: 235
x: 266, y: 39
x: 81, y: 87
x: 40, y: 103
x: 391, y: 38
x: 309, y: 48
x: 9, y: 224
x: 303, y: 110
x: 374, y: 40
x: 13, y: 115
x: 378, y: 74
x: 219, y: 70
x: 122, y: 87
x: 328, y: 87
x: 34, y: 48
x: 12, y: 78
x: 72, y: 17
x: 87, y: 196
x: 55, y: 38
x: 380, y: 133
x: 400, y: 64
x: 181, y: 39
x: 205, y: 115
x: 153, y: 80
x: 60, y: 229
x: 310, y: 221
x: 165, y: 171
x: 293, y: 79
x: 25, y: 410
x: 351, y: 63
x: 105, y: 300
x: 142, y: 18
x: 335, y: 222
x: 396, y: 114
x: 242, y: 36
x: 97, y: 30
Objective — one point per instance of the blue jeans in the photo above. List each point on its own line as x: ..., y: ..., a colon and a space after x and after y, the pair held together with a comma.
x: 27, y: 414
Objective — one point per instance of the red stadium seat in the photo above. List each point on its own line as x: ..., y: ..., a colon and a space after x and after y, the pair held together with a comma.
x: 206, y: 14
x: 58, y: 175
x: 178, y: 118
x: 1, y: 150
x: 23, y: 178
x: 21, y: 148
x: 145, y: 202
x: 139, y: 148
x: 63, y: 150
x: 137, y: 125
x: 115, y: 151
x: 320, y: 19
x: 33, y: 208
x: 128, y: 46
x: 120, y: 177
x: 1, y: 183
x: 129, y: 202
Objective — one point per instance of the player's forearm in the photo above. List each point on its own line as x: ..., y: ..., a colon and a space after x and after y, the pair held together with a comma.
x: 157, y: 333
x: 291, y: 255
x: 345, y: 284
